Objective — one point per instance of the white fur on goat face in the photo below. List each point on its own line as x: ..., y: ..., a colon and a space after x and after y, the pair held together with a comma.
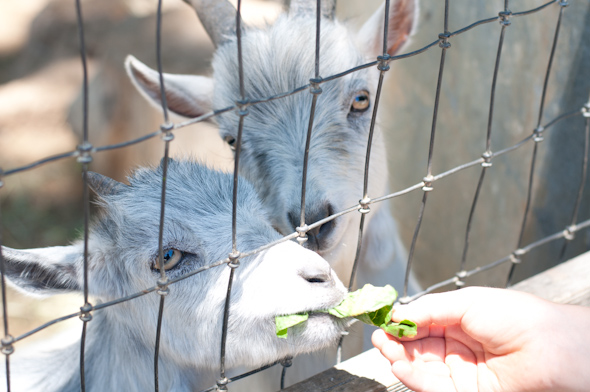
x: 277, y: 59
x: 124, y: 245
x: 274, y: 133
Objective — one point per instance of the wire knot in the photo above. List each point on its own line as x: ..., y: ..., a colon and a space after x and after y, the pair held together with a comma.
x: 243, y: 106
x: 459, y: 276
x: 505, y: 17
x: 516, y: 256
x: 222, y: 384
x: 166, y: 127
x: 84, y: 151
x: 163, y: 289
x: 7, y: 347
x: 487, y: 159
x: 167, y: 136
x: 302, y: 230
x: 314, y: 85
x: 287, y: 362
x: 364, y: 207
x: 538, y: 134
x: 563, y: 3
x: 384, y: 60
x: 569, y: 233
x: 85, y: 314
x: 234, y: 259
x: 428, y: 183
x: 444, y: 40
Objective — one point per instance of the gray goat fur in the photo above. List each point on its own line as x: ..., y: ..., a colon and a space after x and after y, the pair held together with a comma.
x: 278, y: 58
x: 123, y: 245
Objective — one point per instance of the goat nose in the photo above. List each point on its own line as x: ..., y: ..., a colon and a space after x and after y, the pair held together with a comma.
x: 318, y: 237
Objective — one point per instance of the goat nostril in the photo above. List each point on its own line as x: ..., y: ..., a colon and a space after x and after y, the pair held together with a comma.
x: 318, y: 237
x: 316, y: 278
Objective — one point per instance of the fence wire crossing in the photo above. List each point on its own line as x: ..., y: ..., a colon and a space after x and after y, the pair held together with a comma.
x: 85, y: 151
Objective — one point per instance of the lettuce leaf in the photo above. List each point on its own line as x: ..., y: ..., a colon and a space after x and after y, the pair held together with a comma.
x: 365, y: 300
x: 283, y: 323
x: 371, y: 305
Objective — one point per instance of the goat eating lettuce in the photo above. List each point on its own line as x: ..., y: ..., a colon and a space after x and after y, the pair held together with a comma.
x: 371, y: 305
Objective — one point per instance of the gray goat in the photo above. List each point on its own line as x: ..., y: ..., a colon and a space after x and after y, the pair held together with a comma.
x: 123, y: 247
x: 277, y: 59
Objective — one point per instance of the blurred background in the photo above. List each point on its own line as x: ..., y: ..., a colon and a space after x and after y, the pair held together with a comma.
x: 40, y: 115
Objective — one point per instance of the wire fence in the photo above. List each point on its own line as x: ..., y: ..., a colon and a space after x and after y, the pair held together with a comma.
x: 85, y: 151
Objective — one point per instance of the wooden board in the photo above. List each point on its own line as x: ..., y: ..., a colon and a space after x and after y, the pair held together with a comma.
x: 567, y: 283
x: 369, y: 372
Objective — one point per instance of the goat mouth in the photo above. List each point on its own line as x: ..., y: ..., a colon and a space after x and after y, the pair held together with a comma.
x: 339, y: 323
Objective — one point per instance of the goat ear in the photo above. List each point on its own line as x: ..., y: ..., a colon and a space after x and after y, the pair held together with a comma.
x: 186, y: 95
x: 103, y: 185
x: 403, y: 18
x: 43, y: 271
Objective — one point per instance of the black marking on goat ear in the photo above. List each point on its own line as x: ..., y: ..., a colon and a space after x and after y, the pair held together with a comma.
x: 103, y: 185
x: 30, y: 274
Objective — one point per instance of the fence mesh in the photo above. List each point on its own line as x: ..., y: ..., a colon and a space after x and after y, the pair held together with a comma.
x: 85, y: 152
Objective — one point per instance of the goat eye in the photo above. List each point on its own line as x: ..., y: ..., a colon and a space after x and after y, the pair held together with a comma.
x: 171, y: 259
x: 361, y: 102
x: 229, y: 139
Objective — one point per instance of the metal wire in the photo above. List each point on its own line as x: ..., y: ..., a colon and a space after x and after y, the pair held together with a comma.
x: 538, y: 138
x: 488, y: 152
x: 166, y: 128
x: 365, y: 209
x: 84, y: 158
x: 444, y: 44
x: 586, y: 112
x: 7, y: 340
x: 84, y: 152
x: 234, y: 256
x: 315, y: 90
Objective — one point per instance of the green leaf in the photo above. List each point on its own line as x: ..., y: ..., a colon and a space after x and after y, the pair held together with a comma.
x: 378, y: 317
x: 365, y: 300
x: 283, y: 323
x: 371, y: 305
x: 403, y: 328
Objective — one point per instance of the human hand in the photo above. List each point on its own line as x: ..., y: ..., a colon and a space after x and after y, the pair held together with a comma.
x: 484, y: 339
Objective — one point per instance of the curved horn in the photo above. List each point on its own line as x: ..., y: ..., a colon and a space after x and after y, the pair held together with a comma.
x: 103, y: 185
x: 218, y: 18
x: 308, y: 7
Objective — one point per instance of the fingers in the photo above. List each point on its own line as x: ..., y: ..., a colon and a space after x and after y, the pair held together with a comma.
x: 379, y: 338
x: 424, y: 376
x: 442, y: 309
x: 462, y: 364
x: 432, y: 363
x: 427, y: 350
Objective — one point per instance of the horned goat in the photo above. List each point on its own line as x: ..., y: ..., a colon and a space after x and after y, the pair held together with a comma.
x: 279, y: 58
x: 123, y: 248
